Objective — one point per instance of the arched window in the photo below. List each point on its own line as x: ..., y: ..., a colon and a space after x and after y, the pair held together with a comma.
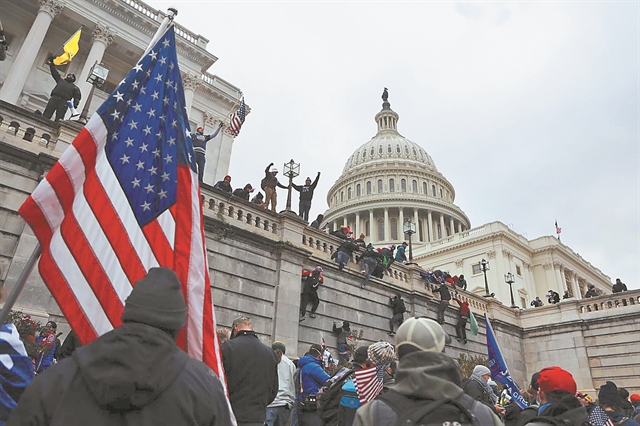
x: 424, y: 188
x: 379, y: 186
x: 414, y: 152
x: 389, y: 148
x: 341, y: 196
x: 398, y: 149
x: 414, y: 186
x: 380, y: 149
x: 392, y: 185
x: 403, y: 185
x: 369, y: 188
x: 440, y: 192
x: 433, y: 190
x: 358, y: 190
x: 364, y: 154
x: 373, y: 151
x: 380, y: 229
x: 393, y: 224
x: 367, y: 228
x: 406, y: 150
x: 349, y: 193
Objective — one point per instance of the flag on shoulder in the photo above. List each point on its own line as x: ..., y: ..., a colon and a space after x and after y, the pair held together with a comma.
x: 498, y: 366
x: 368, y: 383
x: 70, y: 48
x: 122, y: 199
x: 237, y: 119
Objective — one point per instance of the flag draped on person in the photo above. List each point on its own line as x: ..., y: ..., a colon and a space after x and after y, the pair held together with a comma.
x: 368, y: 383
x: 237, y: 119
x: 16, y: 369
x: 122, y: 199
x: 498, y: 366
x: 70, y: 48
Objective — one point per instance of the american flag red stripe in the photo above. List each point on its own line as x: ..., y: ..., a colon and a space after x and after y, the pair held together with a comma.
x: 94, y: 247
x: 368, y: 384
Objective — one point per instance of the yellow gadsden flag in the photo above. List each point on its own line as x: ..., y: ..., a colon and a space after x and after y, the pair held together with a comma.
x: 70, y: 48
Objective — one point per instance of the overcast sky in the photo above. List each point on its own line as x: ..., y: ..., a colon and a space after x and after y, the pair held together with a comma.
x: 530, y: 110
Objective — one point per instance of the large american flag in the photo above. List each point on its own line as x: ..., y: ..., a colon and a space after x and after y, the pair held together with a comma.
x: 122, y: 199
x: 237, y: 119
x: 369, y: 383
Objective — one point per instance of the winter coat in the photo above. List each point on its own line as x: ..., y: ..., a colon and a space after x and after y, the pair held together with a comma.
x: 619, y: 419
x: 241, y: 193
x: 348, y: 247
x: 464, y: 308
x: 223, y: 185
x: 252, y: 376
x: 270, y: 181
x: 397, y: 306
x: 343, y: 334
x: 306, y: 191
x: 133, y: 375
x: 591, y: 293
x: 568, y: 410
x: 64, y: 89
x: 312, y: 375
x: 461, y: 283
x: 476, y: 390
x: 421, y: 375
x: 71, y: 343
x: 400, y: 256
x: 619, y: 287
x: 445, y: 294
x: 200, y: 141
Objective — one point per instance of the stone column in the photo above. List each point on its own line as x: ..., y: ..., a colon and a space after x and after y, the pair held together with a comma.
x: 459, y: 226
x: 357, y: 230
x: 401, y: 220
x: 386, y: 224
x: 344, y: 221
x: 452, y: 226
x: 25, y: 59
x: 190, y: 82
x: 444, y: 231
x: 101, y: 37
x: 371, y: 223
x: 559, y: 274
x: 415, y: 220
x: 221, y: 168
x: 430, y: 220
x: 335, y: 225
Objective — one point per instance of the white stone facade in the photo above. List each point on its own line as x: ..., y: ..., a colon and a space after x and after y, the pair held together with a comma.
x: 115, y: 33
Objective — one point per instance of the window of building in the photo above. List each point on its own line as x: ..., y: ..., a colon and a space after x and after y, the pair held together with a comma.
x: 523, y: 303
x: 393, y: 224
x: 349, y: 193
x: 341, y: 196
x: 380, y: 229
x: 440, y: 192
x: 379, y: 185
x: 358, y: 190
x: 414, y: 152
x: 414, y: 186
x: 433, y: 190
x: 424, y: 188
x: 367, y: 228
x: 380, y: 149
x: 476, y: 269
x: 518, y: 270
x: 373, y: 151
x: 369, y: 188
x: 392, y: 185
x: 406, y: 150
x: 398, y: 149
x: 403, y: 185
x: 364, y: 154
x: 389, y: 148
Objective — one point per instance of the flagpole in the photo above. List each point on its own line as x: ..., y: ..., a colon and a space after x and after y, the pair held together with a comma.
x: 72, y: 36
x: 22, y: 280
x: 166, y: 22
x: 232, y: 108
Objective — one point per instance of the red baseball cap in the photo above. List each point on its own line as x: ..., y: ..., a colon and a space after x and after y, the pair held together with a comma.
x: 634, y: 398
x: 555, y: 378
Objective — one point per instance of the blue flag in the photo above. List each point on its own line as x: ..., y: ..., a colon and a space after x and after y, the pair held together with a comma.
x: 499, y: 370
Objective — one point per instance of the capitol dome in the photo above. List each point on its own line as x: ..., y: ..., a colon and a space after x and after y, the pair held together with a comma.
x: 388, y: 181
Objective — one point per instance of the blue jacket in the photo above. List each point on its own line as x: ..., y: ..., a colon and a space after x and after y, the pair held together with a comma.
x: 400, y: 256
x: 312, y: 375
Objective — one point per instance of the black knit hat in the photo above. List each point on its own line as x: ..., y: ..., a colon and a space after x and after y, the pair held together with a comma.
x: 608, y: 395
x: 157, y: 300
x: 361, y: 354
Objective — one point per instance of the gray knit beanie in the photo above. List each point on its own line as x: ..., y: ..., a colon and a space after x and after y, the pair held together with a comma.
x: 157, y: 300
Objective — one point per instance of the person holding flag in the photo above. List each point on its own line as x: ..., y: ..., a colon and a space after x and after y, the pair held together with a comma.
x: 64, y: 91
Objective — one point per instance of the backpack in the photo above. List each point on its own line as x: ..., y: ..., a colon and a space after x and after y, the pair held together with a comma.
x: 263, y: 182
x: 423, y: 412
x: 403, y: 308
x: 349, y: 403
x: 329, y: 395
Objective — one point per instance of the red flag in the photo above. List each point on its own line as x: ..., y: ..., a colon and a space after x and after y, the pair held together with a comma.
x: 368, y: 383
x: 124, y: 198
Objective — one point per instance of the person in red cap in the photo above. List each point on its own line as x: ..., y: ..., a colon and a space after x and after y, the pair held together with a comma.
x: 635, y: 401
x: 558, y: 402
x: 224, y: 184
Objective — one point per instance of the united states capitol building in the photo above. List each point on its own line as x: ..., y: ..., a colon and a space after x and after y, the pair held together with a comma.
x: 255, y: 255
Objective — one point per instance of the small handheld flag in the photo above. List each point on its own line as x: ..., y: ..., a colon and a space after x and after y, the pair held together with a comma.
x: 237, y: 119
x: 70, y: 48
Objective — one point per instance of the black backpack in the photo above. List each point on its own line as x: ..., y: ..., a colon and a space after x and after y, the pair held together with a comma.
x: 328, y: 397
x: 423, y: 412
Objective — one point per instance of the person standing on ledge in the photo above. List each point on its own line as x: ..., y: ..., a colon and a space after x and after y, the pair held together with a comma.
x: 64, y: 91
x: 269, y: 184
x: 200, y: 147
x: 306, y: 195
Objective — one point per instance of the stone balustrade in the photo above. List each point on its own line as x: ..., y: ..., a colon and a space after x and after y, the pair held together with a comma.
x: 27, y: 126
x: 610, y: 301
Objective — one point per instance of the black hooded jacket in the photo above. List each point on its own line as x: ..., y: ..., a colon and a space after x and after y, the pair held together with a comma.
x: 64, y: 89
x: 133, y: 375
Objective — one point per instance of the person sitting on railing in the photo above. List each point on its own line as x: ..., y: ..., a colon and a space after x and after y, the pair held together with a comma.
x: 243, y: 192
x: 389, y: 258
x: 591, y: 292
x: 224, y: 184
x: 259, y: 200
x: 342, y: 233
x: 200, y: 147
x: 619, y: 286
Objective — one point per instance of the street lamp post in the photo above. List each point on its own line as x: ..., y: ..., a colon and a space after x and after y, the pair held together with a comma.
x: 291, y: 170
x: 509, y: 278
x: 409, y: 228
x: 97, y: 77
x: 484, y: 267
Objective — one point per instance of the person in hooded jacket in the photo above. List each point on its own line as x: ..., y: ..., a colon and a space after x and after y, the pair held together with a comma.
x: 224, y: 185
x: 556, y: 393
x: 477, y: 387
x: 312, y: 280
x: 243, y: 192
x: 306, y: 195
x: 312, y: 376
x: 317, y: 222
x: 425, y: 374
x: 134, y: 374
x: 64, y: 91
x: 612, y: 403
x: 342, y: 334
x: 200, y: 147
